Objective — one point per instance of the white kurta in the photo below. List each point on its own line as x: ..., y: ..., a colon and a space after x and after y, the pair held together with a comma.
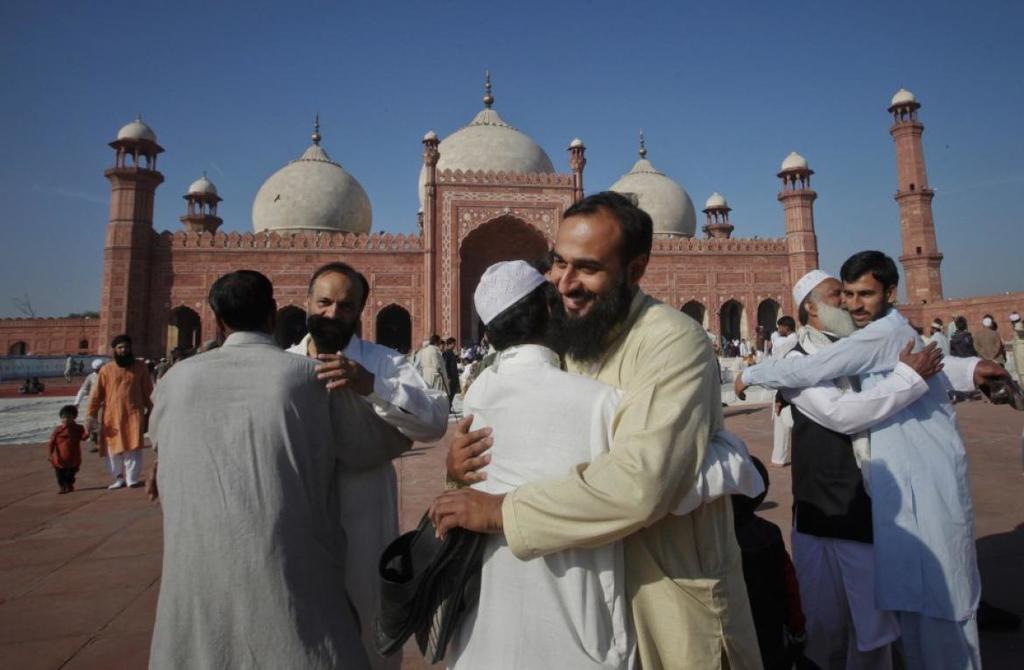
x: 567, y: 609
x: 254, y: 556
x: 369, y: 497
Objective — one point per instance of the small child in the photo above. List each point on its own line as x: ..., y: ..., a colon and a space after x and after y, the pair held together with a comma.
x: 65, y: 450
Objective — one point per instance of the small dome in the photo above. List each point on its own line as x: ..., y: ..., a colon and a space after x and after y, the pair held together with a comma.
x: 715, y: 200
x: 202, y: 186
x: 488, y: 143
x: 902, y: 97
x: 312, y: 193
x: 664, y: 200
x: 576, y: 142
x: 136, y: 130
x: 794, y: 161
x: 431, y: 135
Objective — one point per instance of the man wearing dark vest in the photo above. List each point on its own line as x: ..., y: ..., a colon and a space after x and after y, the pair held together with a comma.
x: 832, y: 528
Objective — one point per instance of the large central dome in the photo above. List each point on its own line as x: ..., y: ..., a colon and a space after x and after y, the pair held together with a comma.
x: 667, y: 203
x: 312, y: 193
x: 488, y: 143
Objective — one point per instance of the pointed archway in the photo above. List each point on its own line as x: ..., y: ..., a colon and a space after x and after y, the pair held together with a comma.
x: 768, y: 315
x: 19, y: 348
x: 505, y: 238
x: 695, y: 310
x: 394, y: 328
x: 730, y: 318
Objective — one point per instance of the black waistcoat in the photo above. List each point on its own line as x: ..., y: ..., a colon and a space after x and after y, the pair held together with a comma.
x: 829, y: 499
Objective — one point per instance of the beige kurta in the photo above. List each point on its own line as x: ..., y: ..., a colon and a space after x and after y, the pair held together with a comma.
x: 683, y: 573
x: 125, y: 396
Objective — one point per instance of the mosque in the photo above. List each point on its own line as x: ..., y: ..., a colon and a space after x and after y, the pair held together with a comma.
x: 488, y: 192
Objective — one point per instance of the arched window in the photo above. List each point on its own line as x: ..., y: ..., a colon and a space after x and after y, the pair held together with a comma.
x: 19, y: 348
x: 695, y: 311
x: 184, y: 330
x: 730, y: 320
x: 394, y: 328
x: 768, y: 315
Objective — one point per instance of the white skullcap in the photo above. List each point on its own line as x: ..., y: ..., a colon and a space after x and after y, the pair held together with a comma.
x: 807, y: 284
x: 1015, y: 317
x: 502, y: 285
x: 97, y: 363
x: 937, y: 324
x: 987, y: 322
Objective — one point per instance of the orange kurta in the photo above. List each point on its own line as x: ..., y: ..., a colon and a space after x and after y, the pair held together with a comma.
x: 124, y: 394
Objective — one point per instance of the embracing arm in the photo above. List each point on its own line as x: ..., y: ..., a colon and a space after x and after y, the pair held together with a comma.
x: 402, y: 398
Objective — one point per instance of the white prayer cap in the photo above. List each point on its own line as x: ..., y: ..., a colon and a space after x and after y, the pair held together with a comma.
x: 502, y: 285
x: 97, y: 363
x: 987, y: 322
x: 807, y: 284
x: 937, y: 324
x: 1014, y: 317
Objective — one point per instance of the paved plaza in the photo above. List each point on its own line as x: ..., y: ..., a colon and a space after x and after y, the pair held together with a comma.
x: 80, y: 573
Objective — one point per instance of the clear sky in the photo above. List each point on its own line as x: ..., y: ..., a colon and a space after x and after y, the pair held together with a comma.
x: 723, y: 90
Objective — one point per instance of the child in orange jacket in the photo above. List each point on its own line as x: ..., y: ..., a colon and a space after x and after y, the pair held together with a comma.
x: 65, y: 450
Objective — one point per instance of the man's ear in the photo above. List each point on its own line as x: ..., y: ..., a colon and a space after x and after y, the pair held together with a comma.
x: 636, y: 269
x: 890, y: 295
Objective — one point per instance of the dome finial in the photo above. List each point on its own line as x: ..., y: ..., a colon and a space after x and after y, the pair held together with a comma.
x: 488, y: 98
x: 316, y: 129
x: 643, y: 145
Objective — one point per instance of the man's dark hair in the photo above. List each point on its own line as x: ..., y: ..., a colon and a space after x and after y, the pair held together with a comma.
x: 880, y: 266
x: 355, y: 276
x: 526, y: 321
x: 69, y: 410
x: 788, y: 322
x: 960, y: 323
x: 435, y: 340
x: 243, y: 300
x: 636, y: 225
x: 450, y: 341
x: 120, y: 339
x: 802, y: 315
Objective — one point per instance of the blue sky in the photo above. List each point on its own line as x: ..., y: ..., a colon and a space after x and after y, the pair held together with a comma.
x: 723, y: 90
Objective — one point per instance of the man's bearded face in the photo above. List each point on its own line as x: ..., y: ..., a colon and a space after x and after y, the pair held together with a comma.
x: 123, y: 354
x: 835, y: 320
x: 337, y: 298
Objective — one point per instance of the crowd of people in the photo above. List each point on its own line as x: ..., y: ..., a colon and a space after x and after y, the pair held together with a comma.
x: 619, y: 514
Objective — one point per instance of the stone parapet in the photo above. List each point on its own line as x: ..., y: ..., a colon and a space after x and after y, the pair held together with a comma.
x: 298, y: 240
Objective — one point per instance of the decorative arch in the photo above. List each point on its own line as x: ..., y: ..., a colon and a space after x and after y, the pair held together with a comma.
x: 730, y: 319
x: 184, y: 330
x: 290, y: 326
x: 19, y: 348
x: 695, y: 310
x: 505, y: 238
x: 394, y: 328
x: 768, y: 315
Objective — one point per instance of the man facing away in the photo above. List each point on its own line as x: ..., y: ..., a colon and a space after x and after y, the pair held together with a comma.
x: 388, y: 384
x: 567, y: 609
x: 1018, y: 345
x: 122, y: 390
x: 684, y: 574
x: 783, y: 341
x: 249, y: 444
x: 938, y: 336
x: 832, y: 527
x: 430, y: 363
x: 987, y: 341
x: 922, y: 514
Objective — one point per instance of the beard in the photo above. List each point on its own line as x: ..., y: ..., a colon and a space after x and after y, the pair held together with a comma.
x: 835, y: 320
x: 124, y: 360
x: 330, y: 335
x: 584, y: 338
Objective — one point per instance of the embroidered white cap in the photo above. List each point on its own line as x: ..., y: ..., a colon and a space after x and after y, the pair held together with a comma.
x: 987, y: 322
x: 503, y: 285
x: 97, y: 363
x: 1014, y: 317
x: 806, y: 284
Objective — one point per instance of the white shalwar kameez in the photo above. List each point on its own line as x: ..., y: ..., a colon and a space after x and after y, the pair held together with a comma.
x: 369, y: 498
x: 782, y: 423
x: 567, y: 610
x: 922, y: 512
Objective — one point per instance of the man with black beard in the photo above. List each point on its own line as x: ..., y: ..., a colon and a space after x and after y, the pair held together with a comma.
x: 399, y: 397
x: 122, y: 390
x: 683, y: 571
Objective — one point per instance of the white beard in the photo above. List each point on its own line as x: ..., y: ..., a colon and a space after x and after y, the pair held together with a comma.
x: 835, y: 320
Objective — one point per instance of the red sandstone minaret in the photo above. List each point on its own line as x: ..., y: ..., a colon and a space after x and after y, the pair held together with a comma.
x: 716, y: 209
x: 921, y: 258
x: 432, y: 306
x: 797, y: 200
x: 201, y: 215
x: 126, y: 254
x: 577, y: 161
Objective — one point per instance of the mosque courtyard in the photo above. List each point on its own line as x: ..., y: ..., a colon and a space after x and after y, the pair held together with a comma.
x: 80, y: 573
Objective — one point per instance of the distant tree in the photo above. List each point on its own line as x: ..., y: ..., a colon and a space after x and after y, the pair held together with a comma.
x: 24, y: 306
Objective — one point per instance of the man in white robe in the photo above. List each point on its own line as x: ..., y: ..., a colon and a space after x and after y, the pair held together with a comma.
x: 250, y: 444
x: 783, y: 340
x: 400, y: 398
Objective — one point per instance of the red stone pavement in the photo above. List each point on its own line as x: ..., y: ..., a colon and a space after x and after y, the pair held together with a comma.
x: 80, y: 573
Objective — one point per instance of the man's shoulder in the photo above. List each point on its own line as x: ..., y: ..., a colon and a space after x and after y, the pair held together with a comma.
x: 659, y: 319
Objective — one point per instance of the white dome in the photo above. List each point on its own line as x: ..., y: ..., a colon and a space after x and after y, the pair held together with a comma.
x: 902, y: 97
x: 136, y: 130
x: 202, y: 186
x: 664, y: 200
x: 716, y: 199
x: 312, y: 193
x: 794, y: 161
x: 488, y: 143
x: 431, y: 135
x: 576, y: 142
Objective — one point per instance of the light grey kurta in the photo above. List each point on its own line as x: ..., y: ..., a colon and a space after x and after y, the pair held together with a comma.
x: 254, y: 569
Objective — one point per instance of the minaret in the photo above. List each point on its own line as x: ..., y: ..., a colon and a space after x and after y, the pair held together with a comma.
x: 797, y: 200
x: 577, y: 161
x: 124, y: 300
x: 921, y: 258
x: 431, y: 306
x: 201, y: 214
x: 716, y: 209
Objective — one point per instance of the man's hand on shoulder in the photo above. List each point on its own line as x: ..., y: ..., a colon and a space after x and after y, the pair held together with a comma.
x: 469, y: 509
x: 986, y: 372
x: 926, y: 363
x: 739, y: 386
x: 466, y: 454
x: 342, y: 372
